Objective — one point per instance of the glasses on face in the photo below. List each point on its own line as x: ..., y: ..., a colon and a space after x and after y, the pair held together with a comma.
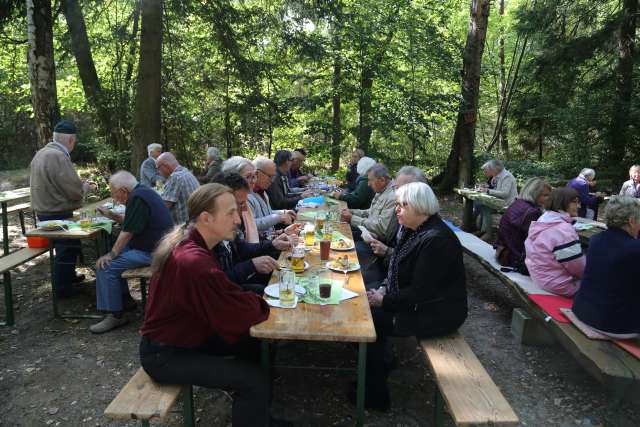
x: 401, y: 205
x: 251, y: 177
x: 268, y: 175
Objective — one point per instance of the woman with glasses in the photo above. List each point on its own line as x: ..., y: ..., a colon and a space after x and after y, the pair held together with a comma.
x: 245, y: 169
x: 424, y: 293
x: 553, y: 251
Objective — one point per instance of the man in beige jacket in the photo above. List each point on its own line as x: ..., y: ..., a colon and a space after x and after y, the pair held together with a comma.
x: 56, y: 190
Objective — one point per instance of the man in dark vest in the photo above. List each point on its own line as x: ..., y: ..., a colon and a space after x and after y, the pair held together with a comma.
x: 145, y: 222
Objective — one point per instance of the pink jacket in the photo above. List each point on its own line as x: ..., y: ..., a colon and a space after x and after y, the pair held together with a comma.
x: 554, y: 255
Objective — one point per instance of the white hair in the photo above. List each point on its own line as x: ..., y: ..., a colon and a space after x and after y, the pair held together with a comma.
x: 154, y: 146
x: 414, y: 173
x: 63, y: 138
x: 420, y: 197
x: 213, y: 153
x: 620, y: 209
x: 123, y: 179
x: 533, y: 188
x: 588, y: 173
x: 495, y: 165
x: 364, y: 164
x: 236, y: 164
x: 262, y: 162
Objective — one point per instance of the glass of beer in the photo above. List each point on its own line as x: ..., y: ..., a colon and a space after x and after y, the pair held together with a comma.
x: 321, y: 219
x: 287, y: 288
x: 296, y: 260
x: 309, y: 235
x: 327, y: 232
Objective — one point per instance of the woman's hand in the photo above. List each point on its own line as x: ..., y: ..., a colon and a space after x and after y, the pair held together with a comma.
x: 378, y: 248
x: 375, y: 297
x: 293, y: 229
x: 345, y: 215
x: 282, y: 242
x: 285, y: 219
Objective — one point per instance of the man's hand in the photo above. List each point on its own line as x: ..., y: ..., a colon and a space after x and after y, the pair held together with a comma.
x: 375, y: 297
x: 378, y: 248
x: 306, y: 193
x: 282, y: 242
x: 265, y: 264
x: 285, y: 219
x: 292, y: 214
x: 293, y: 229
x: 337, y: 194
x: 104, y: 261
x: 345, y: 215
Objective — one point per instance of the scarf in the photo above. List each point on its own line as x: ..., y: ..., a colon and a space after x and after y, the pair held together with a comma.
x: 250, y: 227
x: 407, y: 243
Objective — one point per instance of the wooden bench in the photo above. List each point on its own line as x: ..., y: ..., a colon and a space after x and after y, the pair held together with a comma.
x: 142, y: 273
x: 8, y: 263
x: 617, y: 370
x: 20, y: 210
x: 471, y: 395
x: 144, y: 399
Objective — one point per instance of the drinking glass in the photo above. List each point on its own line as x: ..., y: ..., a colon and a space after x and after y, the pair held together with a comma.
x: 323, y: 277
x: 287, y: 288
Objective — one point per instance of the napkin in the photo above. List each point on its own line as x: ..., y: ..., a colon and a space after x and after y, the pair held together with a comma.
x: 366, y: 235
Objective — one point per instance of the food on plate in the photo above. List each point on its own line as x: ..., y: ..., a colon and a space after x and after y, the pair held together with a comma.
x: 341, y: 263
x: 341, y: 244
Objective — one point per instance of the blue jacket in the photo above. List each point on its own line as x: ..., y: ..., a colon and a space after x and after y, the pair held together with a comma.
x: 609, y: 297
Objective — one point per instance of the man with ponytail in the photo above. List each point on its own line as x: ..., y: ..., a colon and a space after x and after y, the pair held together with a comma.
x: 196, y: 317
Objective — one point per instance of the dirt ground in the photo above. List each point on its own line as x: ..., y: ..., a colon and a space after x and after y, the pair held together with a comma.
x: 55, y: 373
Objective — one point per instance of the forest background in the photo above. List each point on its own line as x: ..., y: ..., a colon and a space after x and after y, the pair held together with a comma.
x: 555, y: 91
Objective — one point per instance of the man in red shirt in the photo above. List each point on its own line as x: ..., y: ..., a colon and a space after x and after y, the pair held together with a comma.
x: 196, y: 316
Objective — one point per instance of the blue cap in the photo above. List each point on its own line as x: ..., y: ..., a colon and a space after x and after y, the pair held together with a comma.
x: 65, y: 126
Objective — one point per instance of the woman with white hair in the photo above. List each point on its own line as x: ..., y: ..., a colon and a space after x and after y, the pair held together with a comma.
x: 583, y: 184
x: 632, y: 187
x: 361, y: 197
x: 213, y: 164
x: 424, y: 293
x: 609, y: 298
x: 246, y: 169
x: 149, y: 174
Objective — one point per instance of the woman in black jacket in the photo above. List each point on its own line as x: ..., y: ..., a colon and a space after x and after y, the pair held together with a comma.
x: 424, y: 294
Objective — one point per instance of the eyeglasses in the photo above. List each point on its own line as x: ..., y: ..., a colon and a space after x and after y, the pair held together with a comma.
x: 270, y: 176
x: 401, y: 205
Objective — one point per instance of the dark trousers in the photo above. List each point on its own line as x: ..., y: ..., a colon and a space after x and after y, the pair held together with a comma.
x: 371, y: 265
x: 210, y: 366
x: 66, y: 255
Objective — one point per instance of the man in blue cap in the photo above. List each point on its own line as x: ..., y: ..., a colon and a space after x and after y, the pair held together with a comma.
x: 56, y: 190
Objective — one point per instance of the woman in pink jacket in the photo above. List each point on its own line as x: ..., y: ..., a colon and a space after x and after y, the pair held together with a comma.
x: 554, y: 254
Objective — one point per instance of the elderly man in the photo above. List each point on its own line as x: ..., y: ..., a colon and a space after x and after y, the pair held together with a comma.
x: 266, y: 218
x: 296, y: 178
x: 56, y: 190
x: 179, y: 186
x: 149, y: 175
x: 248, y: 264
x: 145, y: 222
x: 213, y: 165
x: 352, y: 169
x: 280, y: 194
x: 503, y: 186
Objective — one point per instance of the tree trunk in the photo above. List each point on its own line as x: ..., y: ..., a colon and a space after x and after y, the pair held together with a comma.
x: 147, y: 122
x: 504, y: 140
x: 459, y: 170
x: 364, y: 126
x: 227, y: 113
x: 124, y: 108
x: 87, y: 70
x: 619, y: 131
x: 42, y: 71
x: 336, y: 140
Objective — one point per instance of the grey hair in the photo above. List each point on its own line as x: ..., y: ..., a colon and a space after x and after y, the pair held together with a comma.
x: 236, y: 164
x: 63, y: 138
x: 533, y: 188
x: 632, y: 168
x: 413, y: 172
x: 213, y: 153
x: 420, y: 197
x: 620, y: 209
x: 494, y: 164
x: 588, y: 173
x: 359, y: 152
x: 123, y: 179
x: 297, y: 155
x: 154, y: 146
x: 262, y: 162
x: 364, y: 164
x: 379, y: 171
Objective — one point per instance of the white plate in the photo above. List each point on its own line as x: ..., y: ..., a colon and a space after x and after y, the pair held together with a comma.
x: 274, y: 290
x: 352, y: 267
x: 54, y: 224
x: 348, y: 248
x: 276, y: 303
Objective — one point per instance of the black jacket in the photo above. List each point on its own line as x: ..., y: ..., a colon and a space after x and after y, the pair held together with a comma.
x: 280, y: 196
x: 432, y: 296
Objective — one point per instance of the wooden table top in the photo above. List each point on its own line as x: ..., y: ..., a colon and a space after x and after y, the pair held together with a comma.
x: 18, y: 193
x: 349, y: 321
x: 490, y: 201
x: 74, y: 233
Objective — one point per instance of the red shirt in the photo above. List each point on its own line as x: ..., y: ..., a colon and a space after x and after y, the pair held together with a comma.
x: 192, y: 299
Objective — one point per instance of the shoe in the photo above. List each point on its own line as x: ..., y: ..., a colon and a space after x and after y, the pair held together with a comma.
x: 108, y: 323
x: 377, y: 400
x: 78, y: 278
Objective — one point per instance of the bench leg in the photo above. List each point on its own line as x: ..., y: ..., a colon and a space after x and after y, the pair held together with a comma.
x: 187, y: 407
x: 53, y: 281
x: 21, y: 217
x: 438, y: 408
x: 145, y: 423
x: 5, y: 228
x: 362, y: 368
x: 8, y: 298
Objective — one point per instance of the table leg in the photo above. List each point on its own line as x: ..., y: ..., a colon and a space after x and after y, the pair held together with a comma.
x: 5, y: 229
x: 438, y: 409
x: 467, y: 215
x: 54, y: 295
x: 362, y: 367
x: 8, y: 299
x: 264, y: 355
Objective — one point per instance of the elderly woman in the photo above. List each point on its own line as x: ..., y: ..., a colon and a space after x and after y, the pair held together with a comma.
x: 554, y: 255
x: 245, y: 169
x: 609, y: 298
x: 583, y: 184
x: 502, y: 185
x: 632, y: 187
x: 212, y: 165
x: 424, y: 293
x: 514, y: 224
x: 352, y: 169
x: 361, y: 197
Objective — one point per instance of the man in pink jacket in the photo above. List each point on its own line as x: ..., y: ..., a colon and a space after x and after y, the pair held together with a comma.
x: 554, y: 254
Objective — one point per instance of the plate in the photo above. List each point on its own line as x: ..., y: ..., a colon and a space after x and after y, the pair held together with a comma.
x: 54, y: 224
x: 352, y: 267
x: 349, y: 246
x: 274, y: 290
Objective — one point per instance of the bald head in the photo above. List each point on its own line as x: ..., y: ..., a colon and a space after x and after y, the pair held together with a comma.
x: 166, y: 164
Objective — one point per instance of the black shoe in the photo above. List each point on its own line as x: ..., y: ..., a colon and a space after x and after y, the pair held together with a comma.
x: 377, y: 400
x: 78, y: 278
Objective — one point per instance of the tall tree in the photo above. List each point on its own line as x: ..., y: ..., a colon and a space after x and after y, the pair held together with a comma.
x: 459, y: 169
x: 336, y: 128
x: 147, y: 122
x: 42, y: 71
x: 619, y: 131
x: 503, y: 131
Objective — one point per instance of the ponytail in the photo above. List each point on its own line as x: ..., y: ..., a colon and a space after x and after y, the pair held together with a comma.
x: 167, y: 245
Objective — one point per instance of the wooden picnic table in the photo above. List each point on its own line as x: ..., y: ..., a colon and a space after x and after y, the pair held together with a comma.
x: 97, y: 234
x: 586, y: 235
x: 5, y: 198
x: 469, y: 196
x: 349, y: 321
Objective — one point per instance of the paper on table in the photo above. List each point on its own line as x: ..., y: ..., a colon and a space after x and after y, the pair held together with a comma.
x: 366, y: 235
